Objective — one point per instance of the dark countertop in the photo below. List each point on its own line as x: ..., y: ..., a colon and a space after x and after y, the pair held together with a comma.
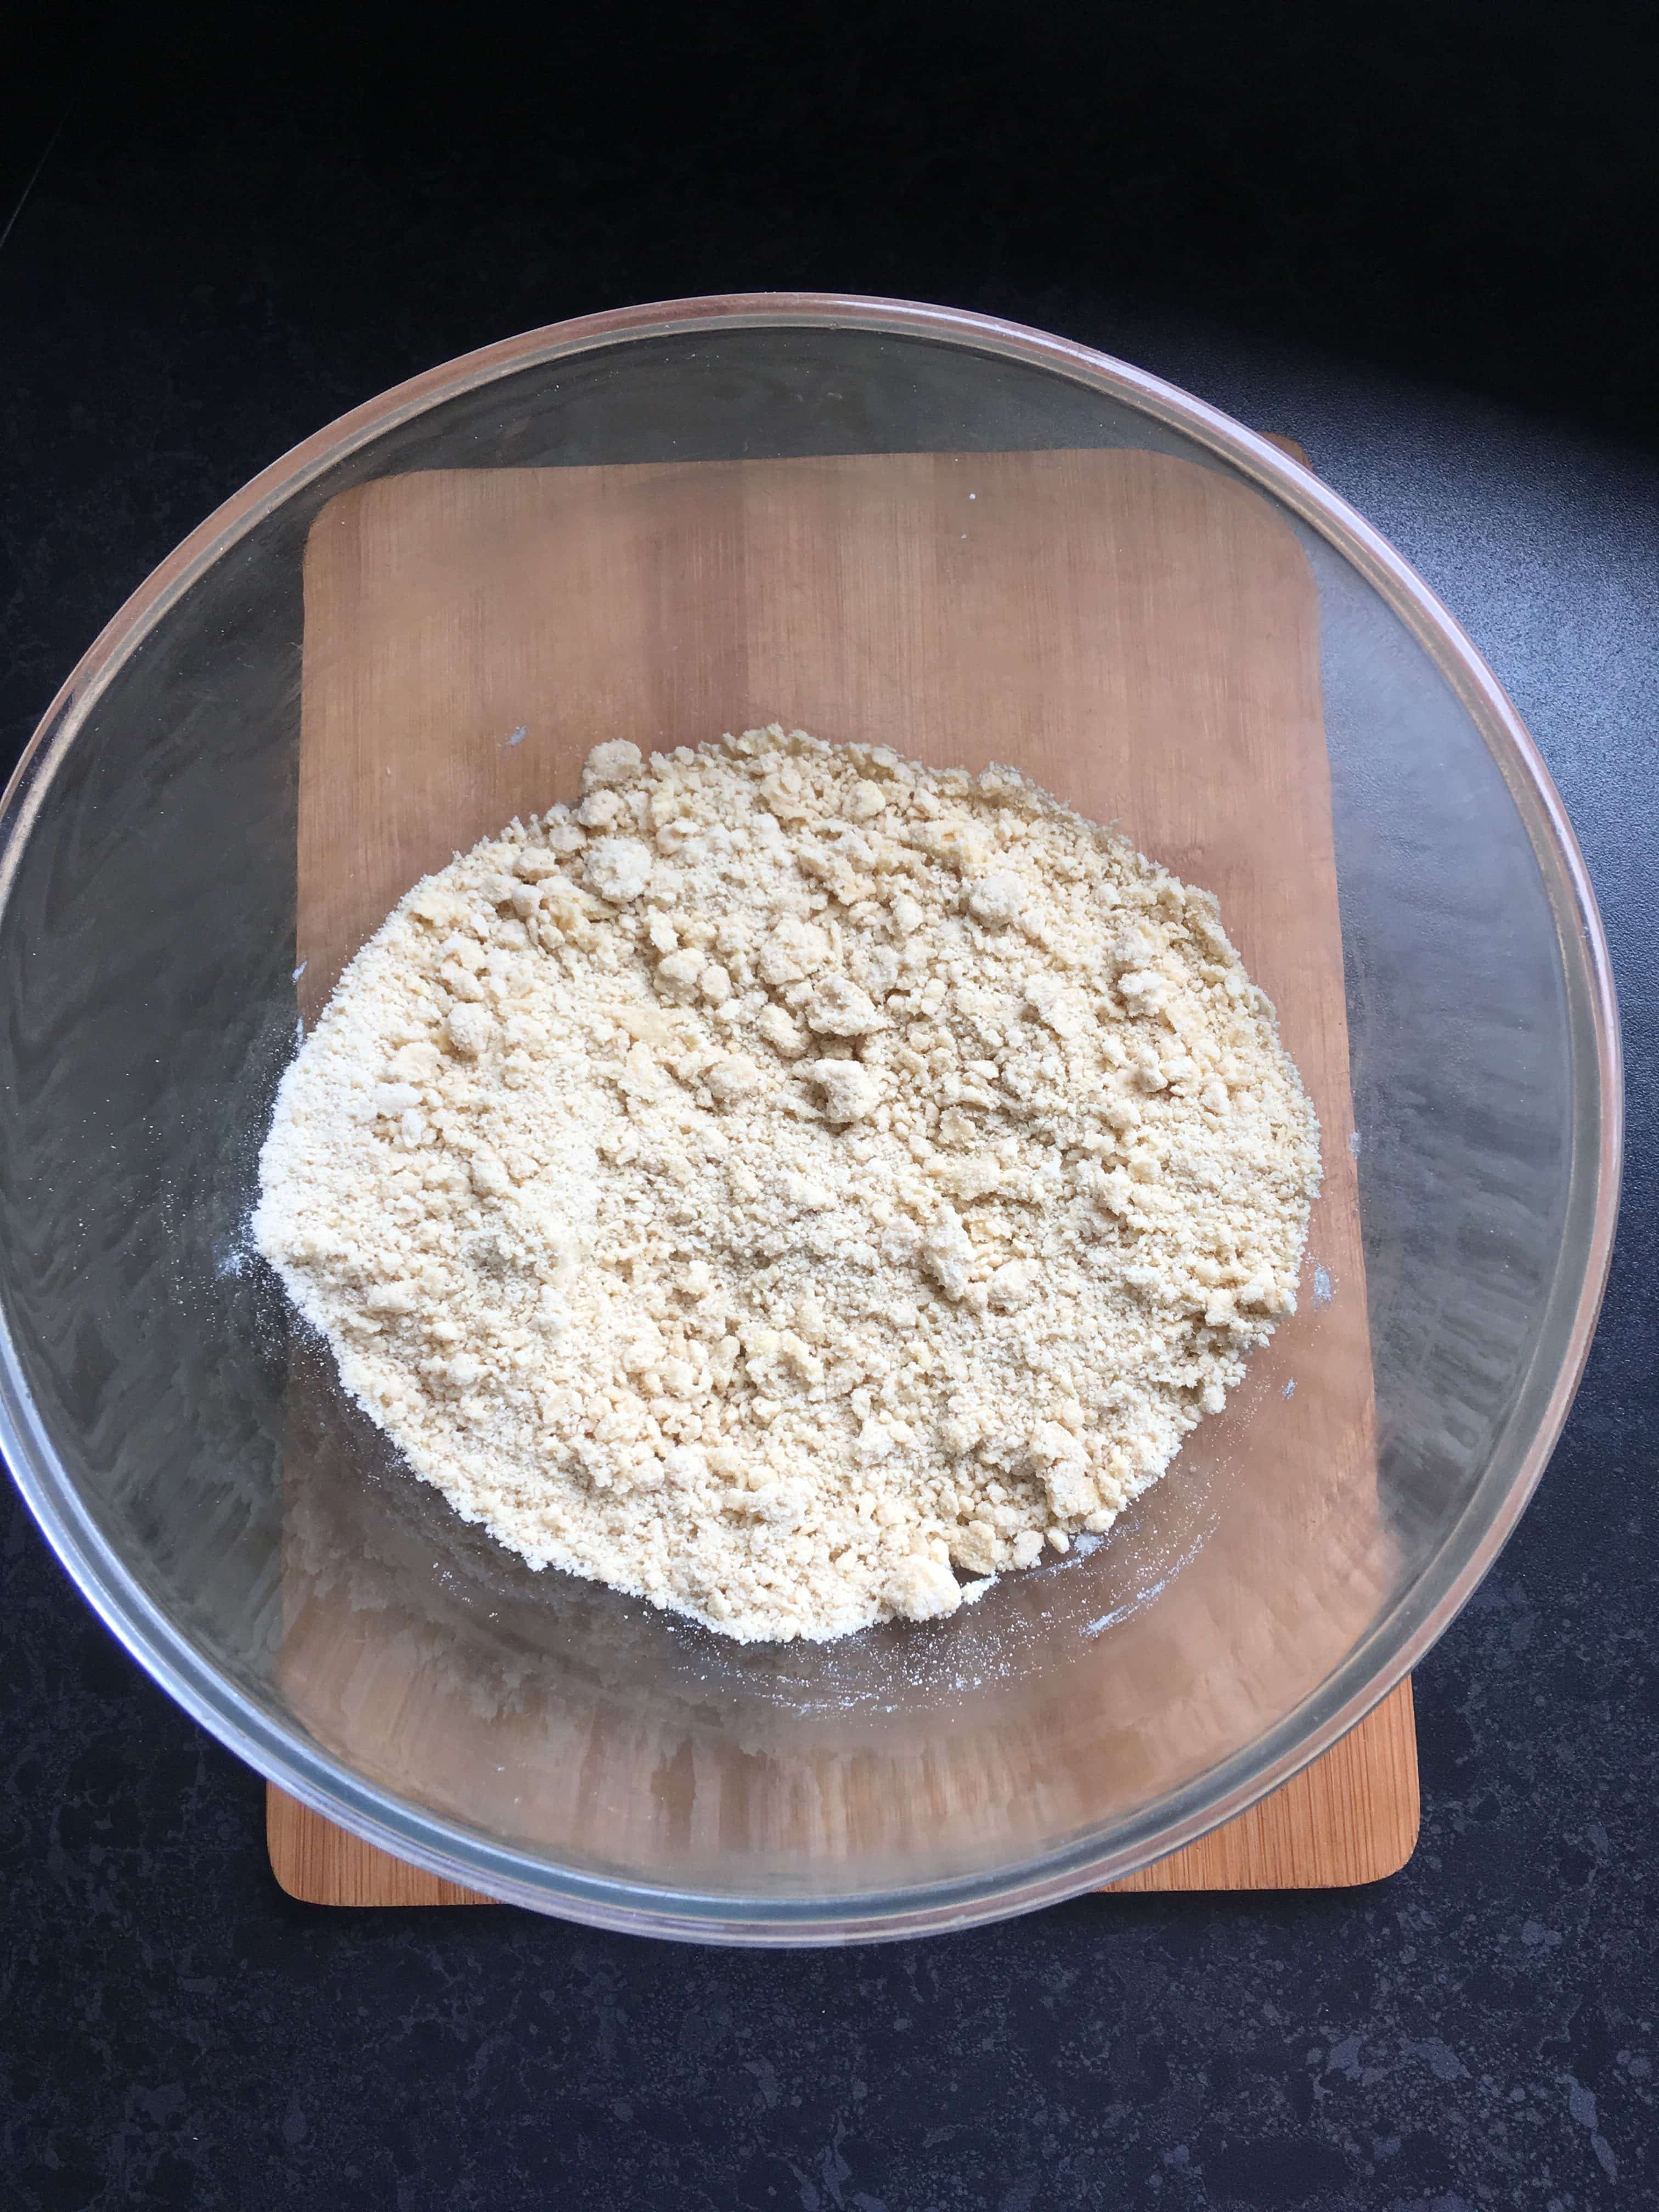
x: 182, y: 299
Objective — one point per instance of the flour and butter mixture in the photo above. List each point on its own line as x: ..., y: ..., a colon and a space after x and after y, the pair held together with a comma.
x: 792, y: 1180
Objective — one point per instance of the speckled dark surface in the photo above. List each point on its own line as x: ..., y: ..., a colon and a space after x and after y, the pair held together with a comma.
x: 183, y: 295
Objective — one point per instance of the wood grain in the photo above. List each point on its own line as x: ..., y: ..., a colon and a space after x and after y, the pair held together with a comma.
x: 322, y: 1864
x: 1349, y: 1818
x: 1139, y: 634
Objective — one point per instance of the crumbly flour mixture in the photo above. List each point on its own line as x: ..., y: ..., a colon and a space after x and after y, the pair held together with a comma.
x: 793, y: 1180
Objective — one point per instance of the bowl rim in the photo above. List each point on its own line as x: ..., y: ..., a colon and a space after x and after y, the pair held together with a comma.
x: 1368, y: 1674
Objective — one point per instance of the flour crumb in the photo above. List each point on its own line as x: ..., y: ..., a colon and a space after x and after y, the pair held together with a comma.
x: 793, y: 1185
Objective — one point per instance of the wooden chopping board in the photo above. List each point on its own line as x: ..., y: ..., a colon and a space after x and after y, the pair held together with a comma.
x: 1139, y: 634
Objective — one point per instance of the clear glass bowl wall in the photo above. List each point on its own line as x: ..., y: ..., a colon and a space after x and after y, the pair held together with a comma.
x: 551, y: 1741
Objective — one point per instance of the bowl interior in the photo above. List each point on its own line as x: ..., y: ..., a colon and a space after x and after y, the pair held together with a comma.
x: 253, y: 1538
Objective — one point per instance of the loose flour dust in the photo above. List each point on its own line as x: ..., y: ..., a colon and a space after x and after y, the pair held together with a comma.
x: 793, y: 1179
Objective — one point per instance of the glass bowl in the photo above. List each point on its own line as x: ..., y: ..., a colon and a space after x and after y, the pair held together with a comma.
x: 543, y: 1739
